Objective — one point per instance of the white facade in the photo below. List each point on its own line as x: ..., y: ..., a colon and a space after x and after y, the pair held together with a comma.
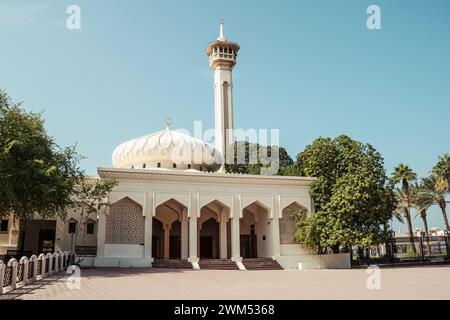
x: 234, y: 202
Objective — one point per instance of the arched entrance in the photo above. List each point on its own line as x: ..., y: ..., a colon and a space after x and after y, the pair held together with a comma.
x: 255, y: 232
x: 170, y: 229
x: 209, y: 239
x: 213, y: 236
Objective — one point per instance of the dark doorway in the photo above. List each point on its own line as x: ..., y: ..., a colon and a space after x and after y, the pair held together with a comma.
x: 248, y: 244
x: 46, y: 240
x: 155, y: 248
x: 175, y: 247
x: 37, y: 236
x: 206, y: 247
x: 157, y: 239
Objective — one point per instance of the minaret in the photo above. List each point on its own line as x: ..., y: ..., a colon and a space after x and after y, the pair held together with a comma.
x: 222, y: 58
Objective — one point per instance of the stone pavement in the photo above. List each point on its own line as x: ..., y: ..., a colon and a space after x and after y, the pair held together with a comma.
x: 398, y: 283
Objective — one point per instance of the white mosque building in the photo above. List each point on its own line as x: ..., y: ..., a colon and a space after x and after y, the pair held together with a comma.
x: 186, y: 213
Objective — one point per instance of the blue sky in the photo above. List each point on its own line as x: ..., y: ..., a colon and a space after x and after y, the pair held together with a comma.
x: 310, y: 68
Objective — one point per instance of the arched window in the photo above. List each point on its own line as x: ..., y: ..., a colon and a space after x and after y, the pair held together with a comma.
x: 158, y: 165
x: 174, y: 165
x: 144, y: 166
x: 221, y: 50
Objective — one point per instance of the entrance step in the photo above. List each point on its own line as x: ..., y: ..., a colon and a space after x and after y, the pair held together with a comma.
x: 171, y: 264
x: 218, y: 264
x: 261, y: 264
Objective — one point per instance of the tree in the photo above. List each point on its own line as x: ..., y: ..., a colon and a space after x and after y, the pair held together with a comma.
x: 442, y: 168
x: 352, y: 201
x: 421, y: 201
x: 436, y: 188
x: 89, y: 197
x: 36, y: 176
x: 250, y: 158
x: 404, y: 174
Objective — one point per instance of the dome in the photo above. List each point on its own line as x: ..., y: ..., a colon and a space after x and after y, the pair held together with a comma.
x: 166, y: 149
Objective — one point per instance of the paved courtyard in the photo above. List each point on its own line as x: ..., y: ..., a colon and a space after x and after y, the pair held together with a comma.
x: 405, y: 283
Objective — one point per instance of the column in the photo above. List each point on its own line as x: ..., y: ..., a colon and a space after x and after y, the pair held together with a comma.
x: 276, y: 247
x: 148, y: 234
x: 166, y: 241
x: 184, y: 235
x: 101, y: 233
x: 193, y: 255
x: 235, y: 239
x: 223, y: 235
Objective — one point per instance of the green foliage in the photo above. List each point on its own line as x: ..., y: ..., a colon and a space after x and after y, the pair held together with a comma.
x: 352, y: 202
x: 36, y: 176
x: 442, y: 168
x: 250, y: 158
x: 90, y: 195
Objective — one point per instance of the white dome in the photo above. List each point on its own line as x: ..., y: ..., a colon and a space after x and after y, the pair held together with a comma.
x: 166, y: 149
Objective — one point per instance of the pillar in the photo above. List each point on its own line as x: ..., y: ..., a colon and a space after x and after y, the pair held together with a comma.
x: 148, y: 220
x: 167, y: 242
x: 193, y: 252
x: 184, y: 235
x: 276, y: 247
x: 101, y: 233
x: 223, y: 235
x: 235, y: 239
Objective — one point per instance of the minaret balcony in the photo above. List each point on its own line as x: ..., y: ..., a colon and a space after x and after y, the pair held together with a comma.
x: 222, y: 56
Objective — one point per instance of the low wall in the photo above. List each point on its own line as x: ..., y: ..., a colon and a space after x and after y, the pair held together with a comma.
x: 309, y: 261
x: 124, y: 250
x: 122, y: 262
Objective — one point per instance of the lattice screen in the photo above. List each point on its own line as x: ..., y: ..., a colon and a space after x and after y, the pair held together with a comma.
x: 287, y: 228
x: 125, y: 223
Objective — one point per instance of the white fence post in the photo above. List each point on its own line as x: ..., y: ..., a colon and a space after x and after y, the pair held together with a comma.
x: 56, y: 255
x: 50, y: 262
x: 26, y: 264
x: 42, y: 258
x: 13, y: 263
x: 61, y: 261
x: 35, y: 265
x: 2, y: 273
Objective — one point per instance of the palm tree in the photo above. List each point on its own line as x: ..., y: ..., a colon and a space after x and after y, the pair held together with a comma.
x: 436, y: 188
x: 404, y: 174
x: 442, y: 168
x: 421, y: 201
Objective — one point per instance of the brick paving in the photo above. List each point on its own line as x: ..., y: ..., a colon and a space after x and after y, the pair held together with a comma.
x: 105, y: 284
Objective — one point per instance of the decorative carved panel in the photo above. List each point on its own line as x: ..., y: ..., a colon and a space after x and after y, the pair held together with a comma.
x: 125, y: 223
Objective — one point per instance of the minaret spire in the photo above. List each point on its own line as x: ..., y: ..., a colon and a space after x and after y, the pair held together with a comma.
x: 222, y: 58
x: 222, y: 32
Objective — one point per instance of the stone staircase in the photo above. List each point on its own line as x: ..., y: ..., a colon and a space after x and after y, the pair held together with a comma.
x: 171, y: 264
x: 217, y: 264
x: 261, y: 264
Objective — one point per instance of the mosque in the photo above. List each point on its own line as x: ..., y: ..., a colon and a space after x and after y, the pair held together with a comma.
x: 175, y: 211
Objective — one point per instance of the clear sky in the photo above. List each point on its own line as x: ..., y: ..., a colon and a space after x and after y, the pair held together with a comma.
x: 310, y: 68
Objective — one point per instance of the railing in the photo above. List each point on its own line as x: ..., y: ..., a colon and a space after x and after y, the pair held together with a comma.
x: 30, y: 269
x: 39, y: 267
x: 20, y: 272
x: 16, y: 254
x: 7, y: 276
x: 16, y: 273
x: 406, y: 250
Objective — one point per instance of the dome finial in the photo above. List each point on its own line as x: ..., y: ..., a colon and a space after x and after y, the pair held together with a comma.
x: 222, y: 32
x: 168, y: 123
